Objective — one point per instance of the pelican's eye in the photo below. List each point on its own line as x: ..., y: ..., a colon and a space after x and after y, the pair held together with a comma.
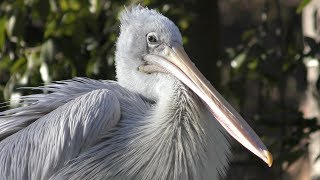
x: 152, y: 38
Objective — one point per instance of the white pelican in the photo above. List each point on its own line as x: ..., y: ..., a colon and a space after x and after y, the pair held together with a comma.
x: 161, y: 119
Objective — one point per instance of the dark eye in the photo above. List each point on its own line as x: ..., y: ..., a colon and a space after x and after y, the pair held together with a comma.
x: 152, y: 38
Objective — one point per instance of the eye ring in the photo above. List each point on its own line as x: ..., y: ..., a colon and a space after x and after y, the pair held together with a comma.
x: 152, y: 38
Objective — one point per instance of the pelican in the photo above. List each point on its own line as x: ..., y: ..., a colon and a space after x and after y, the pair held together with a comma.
x: 161, y: 119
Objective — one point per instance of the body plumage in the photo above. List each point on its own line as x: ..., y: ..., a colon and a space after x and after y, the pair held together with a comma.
x: 148, y: 137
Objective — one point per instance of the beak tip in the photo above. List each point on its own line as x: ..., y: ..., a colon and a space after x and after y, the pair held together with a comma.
x: 269, y: 158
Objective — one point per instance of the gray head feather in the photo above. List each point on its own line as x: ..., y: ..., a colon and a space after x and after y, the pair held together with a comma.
x: 136, y: 23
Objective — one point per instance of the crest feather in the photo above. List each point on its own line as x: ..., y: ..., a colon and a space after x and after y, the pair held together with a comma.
x: 136, y: 13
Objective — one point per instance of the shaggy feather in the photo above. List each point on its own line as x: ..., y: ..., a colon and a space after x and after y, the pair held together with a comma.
x: 171, y: 141
x: 43, y: 147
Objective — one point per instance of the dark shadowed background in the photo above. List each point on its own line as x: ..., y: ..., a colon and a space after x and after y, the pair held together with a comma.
x: 258, y: 54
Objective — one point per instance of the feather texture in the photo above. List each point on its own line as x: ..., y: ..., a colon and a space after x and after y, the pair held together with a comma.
x: 43, y: 147
x: 144, y: 126
x: 171, y: 141
x: 77, y: 141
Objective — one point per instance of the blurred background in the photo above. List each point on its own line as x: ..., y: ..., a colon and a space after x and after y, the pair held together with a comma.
x: 262, y: 55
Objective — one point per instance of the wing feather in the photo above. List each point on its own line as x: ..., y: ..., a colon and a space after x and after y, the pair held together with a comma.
x: 38, y: 105
x: 42, y: 148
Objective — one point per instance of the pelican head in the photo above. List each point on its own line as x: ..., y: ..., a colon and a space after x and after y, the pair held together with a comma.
x: 150, y: 57
x: 144, y: 32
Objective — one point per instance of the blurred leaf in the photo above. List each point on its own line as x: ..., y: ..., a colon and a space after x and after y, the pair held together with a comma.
x: 16, y: 25
x: 69, y: 18
x: 238, y: 60
x: 5, y: 63
x: 50, y: 29
x: 303, y: 3
x: 183, y: 24
x: 2, y: 32
x: 253, y: 64
x: 18, y: 65
x: 248, y: 34
x: 47, y: 51
x: 70, y: 5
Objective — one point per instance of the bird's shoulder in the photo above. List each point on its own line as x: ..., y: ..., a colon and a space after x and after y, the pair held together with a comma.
x: 64, y: 93
x: 72, y: 128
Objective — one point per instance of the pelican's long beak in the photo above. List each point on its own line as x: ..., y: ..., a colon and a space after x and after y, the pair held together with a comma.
x: 175, y: 60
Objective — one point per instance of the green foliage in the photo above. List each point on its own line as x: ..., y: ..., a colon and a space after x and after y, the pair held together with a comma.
x: 41, y: 41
